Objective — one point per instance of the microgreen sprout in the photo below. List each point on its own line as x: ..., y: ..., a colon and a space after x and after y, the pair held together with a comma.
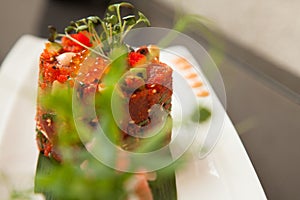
x: 114, y: 28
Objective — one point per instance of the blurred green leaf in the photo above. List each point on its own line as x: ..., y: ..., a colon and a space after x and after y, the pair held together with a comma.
x: 201, y: 115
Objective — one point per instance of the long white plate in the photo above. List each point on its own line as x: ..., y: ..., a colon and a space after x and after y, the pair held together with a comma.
x: 227, y: 173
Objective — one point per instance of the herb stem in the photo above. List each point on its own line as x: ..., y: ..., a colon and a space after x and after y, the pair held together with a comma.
x: 119, y: 15
x: 125, y: 33
x: 91, y: 49
x: 123, y: 27
x: 110, y: 33
x: 96, y: 38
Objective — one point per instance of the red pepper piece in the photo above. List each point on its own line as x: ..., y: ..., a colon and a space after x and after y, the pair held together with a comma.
x: 135, y: 59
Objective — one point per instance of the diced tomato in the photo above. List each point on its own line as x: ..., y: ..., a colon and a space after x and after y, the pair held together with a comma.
x: 62, y: 78
x: 71, y: 46
x: 47, y: 149
x: 135, y: 59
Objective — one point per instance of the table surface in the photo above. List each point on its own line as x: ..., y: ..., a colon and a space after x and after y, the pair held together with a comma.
x: 262, y: 100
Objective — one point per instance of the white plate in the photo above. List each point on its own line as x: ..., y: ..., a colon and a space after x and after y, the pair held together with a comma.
x: 226, y: 173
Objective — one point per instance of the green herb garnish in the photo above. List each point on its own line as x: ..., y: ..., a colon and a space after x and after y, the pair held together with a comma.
x: 113, y: 28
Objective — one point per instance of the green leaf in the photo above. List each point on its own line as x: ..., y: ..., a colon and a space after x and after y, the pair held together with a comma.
x: 130, y: 19
x: 68, y: 29
x: 94, y: 19
x: 112, y: 8
x: 126, y: 4
x: 82, y: 28
x: 143, y: 18
x: 164, y: 187
x: 112, y: 19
